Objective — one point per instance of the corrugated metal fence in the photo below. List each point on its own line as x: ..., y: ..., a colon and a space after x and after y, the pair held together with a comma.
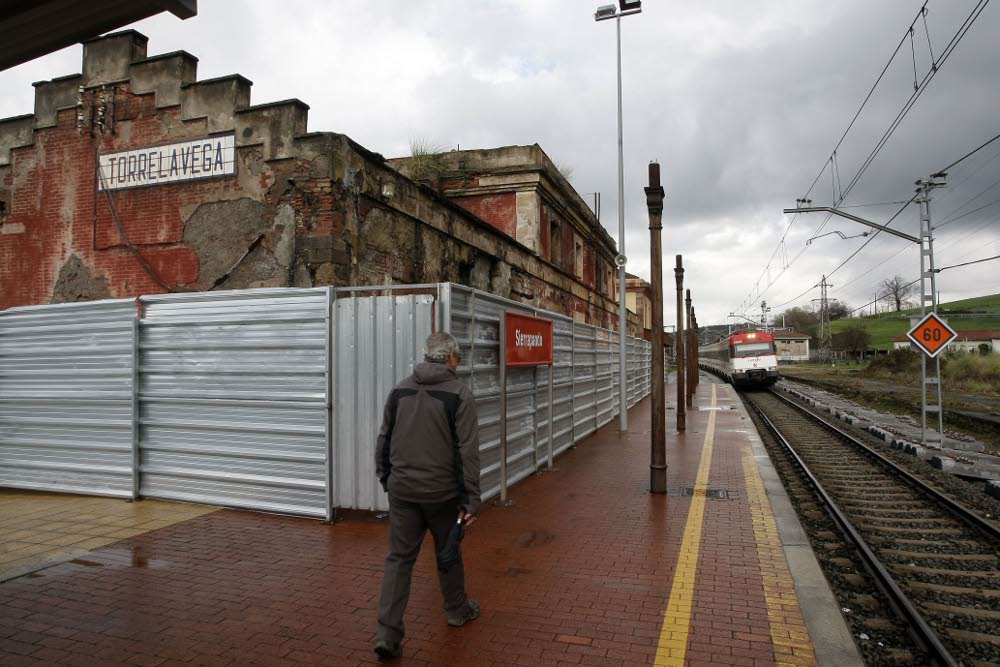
x: 66, y: 397
x: 272, y: 399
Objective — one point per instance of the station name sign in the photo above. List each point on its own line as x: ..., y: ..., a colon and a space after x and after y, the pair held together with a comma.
x: 210, y: 157
x: 528, y: 340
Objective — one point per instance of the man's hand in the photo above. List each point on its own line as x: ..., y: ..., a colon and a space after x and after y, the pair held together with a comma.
x: 466, y: 518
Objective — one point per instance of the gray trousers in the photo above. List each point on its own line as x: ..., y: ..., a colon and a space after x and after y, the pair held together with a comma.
x: 408, y: 522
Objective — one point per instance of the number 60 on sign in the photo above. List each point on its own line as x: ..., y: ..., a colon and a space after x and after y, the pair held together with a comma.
x: 931, y: 335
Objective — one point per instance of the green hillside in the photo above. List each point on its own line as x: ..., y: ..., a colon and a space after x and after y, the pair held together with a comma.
x: 883, y: 327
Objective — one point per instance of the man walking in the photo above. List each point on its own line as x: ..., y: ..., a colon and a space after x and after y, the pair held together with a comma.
x: 427, y: 459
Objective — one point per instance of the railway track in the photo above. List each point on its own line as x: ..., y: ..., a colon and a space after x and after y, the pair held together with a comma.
x: 934, y: 565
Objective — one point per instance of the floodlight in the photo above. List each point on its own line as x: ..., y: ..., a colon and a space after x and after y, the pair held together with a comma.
x: 605, y: 12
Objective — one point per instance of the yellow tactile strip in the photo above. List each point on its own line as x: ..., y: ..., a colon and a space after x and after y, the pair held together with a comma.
x: 792, y: 645
x: 672, y: 645
x: 38, y: 527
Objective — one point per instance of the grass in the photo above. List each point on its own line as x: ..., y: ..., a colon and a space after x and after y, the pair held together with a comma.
x: 974, y: 373
x: 884, y: 327
x: 426, y: 160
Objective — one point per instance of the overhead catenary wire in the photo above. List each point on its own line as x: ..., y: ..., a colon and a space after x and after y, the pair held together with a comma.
x: 918, y: 91
x: 971, y: 153
x: 975, y: 261
x: 943, y: 268
x: 840, y: 141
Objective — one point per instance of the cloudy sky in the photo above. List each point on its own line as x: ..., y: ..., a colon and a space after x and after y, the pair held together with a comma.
x: 741, y: 103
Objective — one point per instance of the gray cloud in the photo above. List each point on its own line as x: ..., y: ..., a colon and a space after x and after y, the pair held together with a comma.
x: 741, y: 103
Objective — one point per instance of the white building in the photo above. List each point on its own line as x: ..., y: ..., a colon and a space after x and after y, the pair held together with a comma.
x: 965, y: 341
x: 791, y: 346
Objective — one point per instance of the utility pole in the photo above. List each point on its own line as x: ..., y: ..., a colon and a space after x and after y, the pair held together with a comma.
x: 658, y: 430
x: 679, y: 344
x: 930, y: 375
x: 825, y: 334
x: 928, y: 294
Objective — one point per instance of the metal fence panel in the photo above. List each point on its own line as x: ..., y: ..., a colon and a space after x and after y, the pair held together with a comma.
x: 272, y: 399
x: 607, y: 376
x: 66, y: 397
x: 562, y: 394
x: 233, y: 399
x: 378, y: 339
x: 475, y: 323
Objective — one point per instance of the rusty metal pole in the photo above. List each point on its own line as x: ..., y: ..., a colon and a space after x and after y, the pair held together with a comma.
x: 679, y: 344
x: 690, y: 350
x: 658, y: 430
x: 694, y: 350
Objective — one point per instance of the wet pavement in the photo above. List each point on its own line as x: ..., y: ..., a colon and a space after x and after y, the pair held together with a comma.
x: 38, y: 529
x: 586, y: 568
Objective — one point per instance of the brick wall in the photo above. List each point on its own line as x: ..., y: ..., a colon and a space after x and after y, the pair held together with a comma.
x: 311, y: 205
x: 499, y: 210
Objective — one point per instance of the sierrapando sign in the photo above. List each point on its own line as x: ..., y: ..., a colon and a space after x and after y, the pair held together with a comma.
x: 190, y: 160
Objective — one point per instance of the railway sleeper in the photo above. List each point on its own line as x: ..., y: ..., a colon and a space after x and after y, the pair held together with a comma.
x: 984, y: 593
x: 985, y: 614
x: 992, y: 558
x: 923, y: 530
x: 921, y: 569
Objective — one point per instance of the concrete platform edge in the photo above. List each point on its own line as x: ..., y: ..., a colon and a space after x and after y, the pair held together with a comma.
x: 832, y: 639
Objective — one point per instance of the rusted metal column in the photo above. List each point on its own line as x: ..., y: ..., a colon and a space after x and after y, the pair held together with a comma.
x: 690, y: 350
x: 658, y: 430
x: 694, y: 350
x: 679, y: 345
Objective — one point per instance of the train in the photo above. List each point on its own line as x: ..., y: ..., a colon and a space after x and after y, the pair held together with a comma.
x: 745, y: 358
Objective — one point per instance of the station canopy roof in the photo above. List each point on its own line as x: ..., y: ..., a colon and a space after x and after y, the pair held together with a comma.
x: 33, y: 28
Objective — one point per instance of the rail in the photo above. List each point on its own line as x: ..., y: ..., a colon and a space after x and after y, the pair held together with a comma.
x: 904, y: 607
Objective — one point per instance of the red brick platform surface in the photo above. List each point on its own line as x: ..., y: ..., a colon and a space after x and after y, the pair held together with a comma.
x: 587, y: 569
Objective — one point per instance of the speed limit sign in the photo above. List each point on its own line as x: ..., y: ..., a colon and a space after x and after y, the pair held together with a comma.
x: 931, y: 335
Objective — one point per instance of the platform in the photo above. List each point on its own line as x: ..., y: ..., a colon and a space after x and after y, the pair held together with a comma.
x: 586, y: 568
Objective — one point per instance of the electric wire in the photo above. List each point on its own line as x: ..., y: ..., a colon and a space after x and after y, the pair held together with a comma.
x: 975, y: 210
x: 900, y: 116
x: 975, y: 261
x: 970, y: 154
x: 840, y: 141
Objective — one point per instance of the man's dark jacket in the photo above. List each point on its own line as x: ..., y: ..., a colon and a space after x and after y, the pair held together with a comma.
x: 428, y: 448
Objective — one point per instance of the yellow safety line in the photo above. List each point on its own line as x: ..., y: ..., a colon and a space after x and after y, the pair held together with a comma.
x: 789, y: 634
x: 677, y: 617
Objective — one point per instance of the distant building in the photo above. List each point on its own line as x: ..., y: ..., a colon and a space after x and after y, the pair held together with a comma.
x: 791, y: 346
x: 639, y: 300
x: 965, y: 341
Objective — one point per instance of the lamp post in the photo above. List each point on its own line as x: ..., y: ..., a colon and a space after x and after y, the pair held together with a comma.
x: 604, y: 13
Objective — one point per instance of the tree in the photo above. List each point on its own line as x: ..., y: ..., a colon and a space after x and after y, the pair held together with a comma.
x: 897, y: 291
x: 854, y: 339
x: 798, y: 318
x: 838, y: 309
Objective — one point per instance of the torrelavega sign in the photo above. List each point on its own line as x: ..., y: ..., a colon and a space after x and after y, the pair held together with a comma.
x: 190, y: 160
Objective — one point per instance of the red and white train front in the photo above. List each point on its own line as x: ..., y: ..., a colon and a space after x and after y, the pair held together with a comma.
x: 747, y: 358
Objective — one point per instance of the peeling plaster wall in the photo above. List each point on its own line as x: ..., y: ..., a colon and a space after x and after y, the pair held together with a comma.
x: 58, y: 229
x: 308, y: 206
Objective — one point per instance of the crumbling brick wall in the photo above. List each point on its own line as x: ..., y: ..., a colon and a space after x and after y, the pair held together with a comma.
x: 302, y: 209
